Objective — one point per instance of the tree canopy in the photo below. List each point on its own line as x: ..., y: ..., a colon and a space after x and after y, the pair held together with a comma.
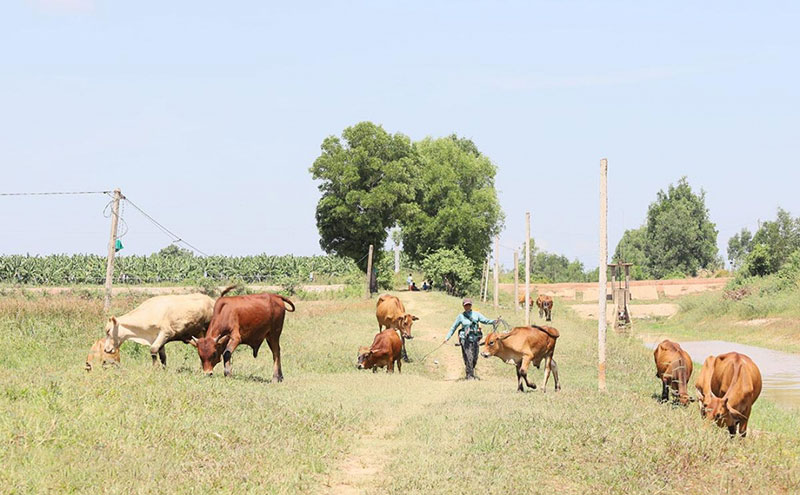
x: 368, y: 176
x: 680, y: 237
x: 549, y: 267
x: 631, y: 249
x: 456, y: 205
x: 768, y: 250
x: 439, y: 192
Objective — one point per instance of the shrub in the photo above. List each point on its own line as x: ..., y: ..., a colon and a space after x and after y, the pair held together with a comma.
x: 451, y: 269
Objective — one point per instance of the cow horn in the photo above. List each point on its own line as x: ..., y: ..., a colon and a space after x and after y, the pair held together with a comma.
x: 216, y: 339
x: 737, y: 413
x: 194, y: 339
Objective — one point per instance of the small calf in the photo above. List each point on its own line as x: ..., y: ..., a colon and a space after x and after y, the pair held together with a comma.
x: 98, y: 355
x: 386, y: 349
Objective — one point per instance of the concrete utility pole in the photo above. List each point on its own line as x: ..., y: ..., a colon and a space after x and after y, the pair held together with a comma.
x: 367, y: 292
x: 112, y: 248
x: 396, y: 258
x: 483, y: 277
x: 602, y: 272
x: 527, y: 268
x: 496, y: 271
x: 486, y: 282
x: 516, y: 280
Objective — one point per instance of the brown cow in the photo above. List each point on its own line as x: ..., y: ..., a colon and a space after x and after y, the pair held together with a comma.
x: 545, y: 304
x: 98, y: 355
x: 729, y: 387
x: 384, y: 352
x: 673, y: 368
x: 248, y: 320
x: 391, y: 313
x: 523, y: 346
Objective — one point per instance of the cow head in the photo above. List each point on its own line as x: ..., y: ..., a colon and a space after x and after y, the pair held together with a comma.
x: 492, y: 344
x: 113, y: 340
x: 364, y: 358
x: 98, y: 354
x: 403, y: 323
x: 718, y: 409
x: 210, y: 350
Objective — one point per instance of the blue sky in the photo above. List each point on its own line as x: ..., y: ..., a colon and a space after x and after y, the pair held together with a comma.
x: 208, y: 114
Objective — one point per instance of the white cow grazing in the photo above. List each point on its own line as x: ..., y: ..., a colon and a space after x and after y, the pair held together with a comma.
x: 159, y: 320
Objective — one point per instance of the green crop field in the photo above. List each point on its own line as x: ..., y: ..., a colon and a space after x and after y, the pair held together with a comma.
x: 331, y: 428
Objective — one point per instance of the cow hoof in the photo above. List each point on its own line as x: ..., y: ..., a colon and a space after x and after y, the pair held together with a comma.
x: 406, y: 360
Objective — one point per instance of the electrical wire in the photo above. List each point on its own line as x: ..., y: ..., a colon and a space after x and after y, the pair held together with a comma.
x: 175, y: 237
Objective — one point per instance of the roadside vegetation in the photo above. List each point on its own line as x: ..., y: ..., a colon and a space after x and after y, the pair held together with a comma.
x: 144, y: 430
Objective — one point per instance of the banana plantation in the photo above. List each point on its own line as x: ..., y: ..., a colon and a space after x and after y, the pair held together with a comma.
x: 159, y: 268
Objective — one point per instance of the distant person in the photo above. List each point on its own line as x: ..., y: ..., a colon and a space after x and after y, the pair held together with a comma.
x: 469, y: 335
x: 430, y: 284
x: 311, y: 276
x: 414, y: 287
x: 425, y: 285
x: 410, y: 281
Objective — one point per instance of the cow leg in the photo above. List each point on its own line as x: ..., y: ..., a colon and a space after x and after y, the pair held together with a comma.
x: 390, y: 366
x: 275, y: 346
x: 547, y: 361
x: 664, y: 391
x: 228, y: 354
x: 554, y: 368
x: 157, y: 349
x: 399, y: 366
x: 523, y: 372
x: 540, y: 313
x: 732, y: 430
x: 520, y: 388
x: 549, y: 312
x: 743, y: 428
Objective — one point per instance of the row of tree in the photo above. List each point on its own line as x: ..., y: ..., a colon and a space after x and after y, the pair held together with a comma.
x: 769, y: 249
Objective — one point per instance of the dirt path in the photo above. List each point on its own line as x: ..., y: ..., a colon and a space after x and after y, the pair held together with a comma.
x: 373, y: 450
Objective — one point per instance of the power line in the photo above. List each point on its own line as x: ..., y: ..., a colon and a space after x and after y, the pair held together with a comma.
x: 53, y: 193
x: 175, y: 237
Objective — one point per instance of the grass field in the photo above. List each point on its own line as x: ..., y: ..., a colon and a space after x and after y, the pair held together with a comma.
x: 334, y: 429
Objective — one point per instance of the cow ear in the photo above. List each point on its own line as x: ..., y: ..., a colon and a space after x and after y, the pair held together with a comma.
x: 400, y: 320
x: 113, y: 320
x: 504, y: 337
x: 414, y: 318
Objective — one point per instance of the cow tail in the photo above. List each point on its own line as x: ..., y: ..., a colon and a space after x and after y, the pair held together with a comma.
x: 553, y: 334
x: 287, y: 300
x: 227, y: 289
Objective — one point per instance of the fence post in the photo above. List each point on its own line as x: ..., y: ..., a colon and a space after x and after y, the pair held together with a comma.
x: 602, y: 276
x: 112, y: 246
x: 496, y: 271
x: 367, y: 292
x: 486, y: 282
x: 527, y: 268
x: 516, y: 280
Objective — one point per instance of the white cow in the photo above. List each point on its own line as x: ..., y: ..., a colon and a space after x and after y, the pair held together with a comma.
x: 159, y: 320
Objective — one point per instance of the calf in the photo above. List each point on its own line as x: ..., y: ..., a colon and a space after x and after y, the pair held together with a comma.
x: 391, y: 313
x: 248, y: 320
x: 384, y: 352
x: 98, y: 355
x: 728, y: 386
x: 545, y: 304
x: 523, y: 346
x: 673, y: 368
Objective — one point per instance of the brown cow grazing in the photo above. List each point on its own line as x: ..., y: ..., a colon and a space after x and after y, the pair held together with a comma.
x: 384, y: 352
x: 391, y: 313
x: 523, y: 346
x: 545, y: 304
x: 673, y: 368
x: 248, y: 320
x: 97, y: 355
x: 728, y: 386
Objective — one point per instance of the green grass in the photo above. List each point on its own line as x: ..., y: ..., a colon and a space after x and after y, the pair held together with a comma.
x: 136, y: 429
x: 713, y: 316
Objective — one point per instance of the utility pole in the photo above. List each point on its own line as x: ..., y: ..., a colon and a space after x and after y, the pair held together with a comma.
x: 602, y: 272
x: 367, y: 292
x: 486, y: 282
x: 516, y: 280
x: 527, y: 268
x: 496, y: 271
x: 396, y: 258
x: 483, y: 277
x: 112, y: 247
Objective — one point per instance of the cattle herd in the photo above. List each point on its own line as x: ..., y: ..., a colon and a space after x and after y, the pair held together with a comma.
x: 727, y: 386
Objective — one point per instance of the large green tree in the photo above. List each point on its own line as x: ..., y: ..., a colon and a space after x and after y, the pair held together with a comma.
x: 551, y: 267
x: 680, y: 236
x: 456, y: 205
x: 780, y: 237
x: 367, y: 177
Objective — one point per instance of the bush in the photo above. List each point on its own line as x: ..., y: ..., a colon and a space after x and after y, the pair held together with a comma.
x: 451, y: 269
x: 758, y: 262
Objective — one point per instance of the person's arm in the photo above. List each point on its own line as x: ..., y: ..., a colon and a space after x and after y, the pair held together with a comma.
x: 453, y: 328
x: 482, y: 319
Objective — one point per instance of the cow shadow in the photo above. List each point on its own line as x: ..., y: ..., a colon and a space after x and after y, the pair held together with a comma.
x: 253, y: 378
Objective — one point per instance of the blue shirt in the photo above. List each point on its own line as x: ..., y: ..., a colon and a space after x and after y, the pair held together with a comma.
x: 468, y: 321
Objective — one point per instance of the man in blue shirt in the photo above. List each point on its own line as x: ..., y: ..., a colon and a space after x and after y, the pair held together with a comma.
x: 469, y: 335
